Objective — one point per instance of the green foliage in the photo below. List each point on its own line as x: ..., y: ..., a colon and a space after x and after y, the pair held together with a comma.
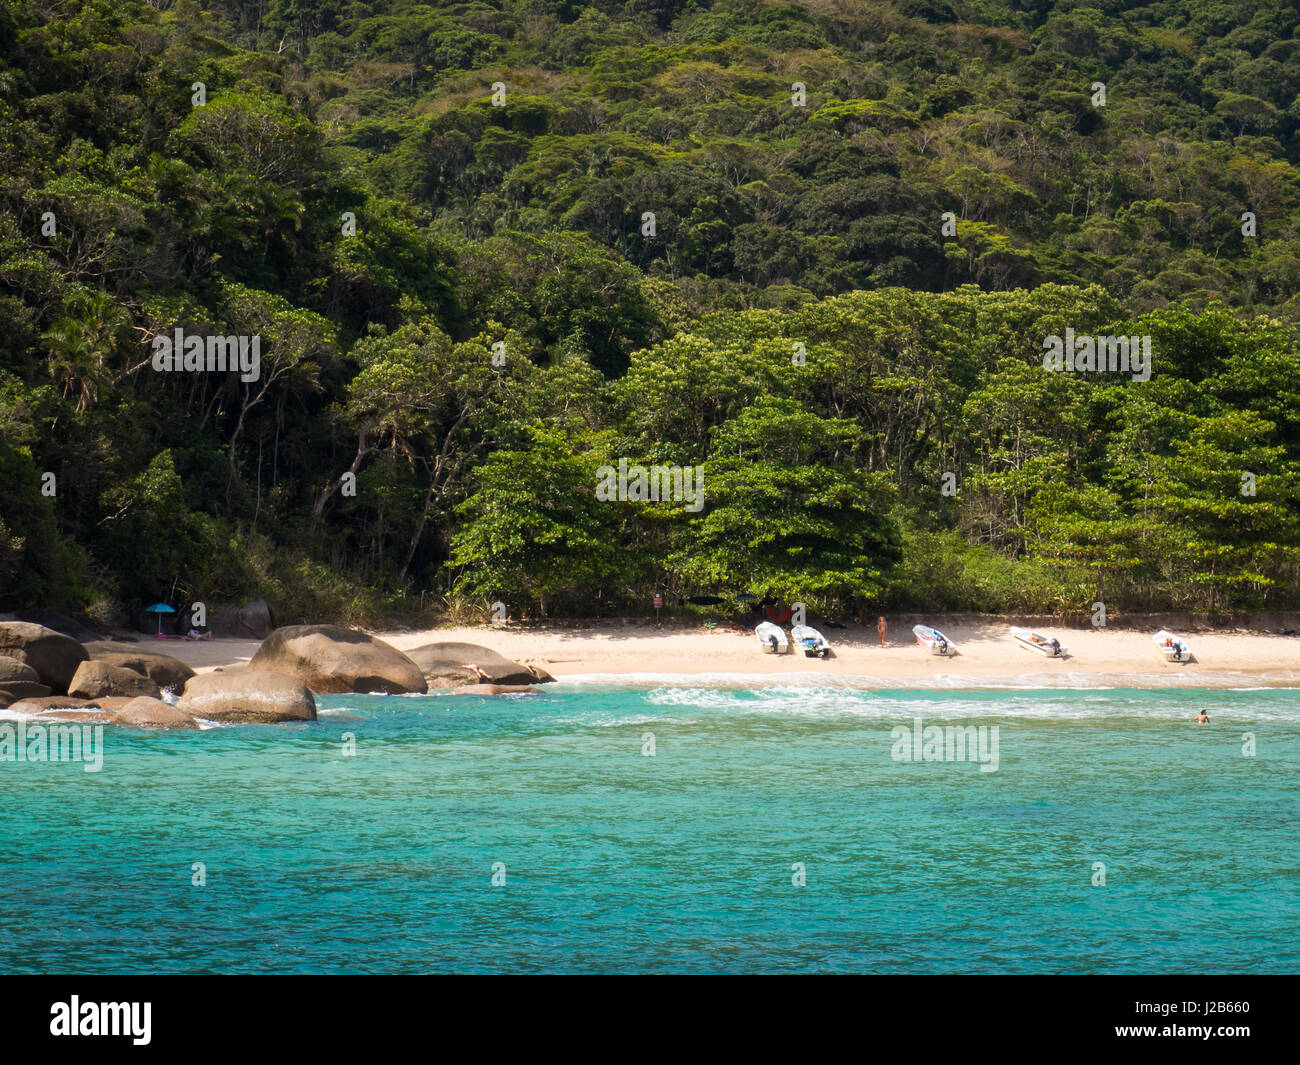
x: 534, y: 528
x: 464, y: 306
x: 789, y: 514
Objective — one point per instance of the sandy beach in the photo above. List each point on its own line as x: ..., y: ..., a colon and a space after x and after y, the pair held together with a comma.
x: 986, y: 655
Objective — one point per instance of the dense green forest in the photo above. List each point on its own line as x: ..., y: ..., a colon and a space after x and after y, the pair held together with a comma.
x: 812, y: 250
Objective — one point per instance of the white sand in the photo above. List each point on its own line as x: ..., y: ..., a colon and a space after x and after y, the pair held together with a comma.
x: 987, y: 654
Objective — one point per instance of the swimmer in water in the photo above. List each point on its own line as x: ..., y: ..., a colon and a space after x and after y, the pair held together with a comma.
x: 1203, y: 718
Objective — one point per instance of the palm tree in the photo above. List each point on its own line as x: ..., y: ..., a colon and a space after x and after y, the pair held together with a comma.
x: 81, y: 344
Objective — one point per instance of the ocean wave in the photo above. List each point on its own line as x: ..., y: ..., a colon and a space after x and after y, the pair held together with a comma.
x: 1225, y: 680
x: 1035, y: 704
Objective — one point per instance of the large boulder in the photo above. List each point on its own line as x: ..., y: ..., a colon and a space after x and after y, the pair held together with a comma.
x: 11, y: 691
x: 60, y: 623
x: 13, y: 669
x: 94, y: 679
x: 154, y: 713
x: 255, y: 618
x: 55, y: 657
x: 248, y: 694
x: 164, y: 670
x: 19, y: 681
x: 450, y: 665
x: 330, y: 658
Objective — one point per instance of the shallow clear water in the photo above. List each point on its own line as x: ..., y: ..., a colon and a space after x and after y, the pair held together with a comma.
x: 680, y: 861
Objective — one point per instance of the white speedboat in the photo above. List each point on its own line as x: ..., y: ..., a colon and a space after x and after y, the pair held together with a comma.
x: 810, y: 641
x: 772, y: 638
x: 1174, y: 648
x: 1036, y: 641
x: 933, y: 640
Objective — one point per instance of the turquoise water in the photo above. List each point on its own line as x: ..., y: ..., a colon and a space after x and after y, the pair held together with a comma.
x: 681, y: 861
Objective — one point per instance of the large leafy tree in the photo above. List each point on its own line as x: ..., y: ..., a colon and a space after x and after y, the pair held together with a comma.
x: 788, y: 513
x: 534, y: 528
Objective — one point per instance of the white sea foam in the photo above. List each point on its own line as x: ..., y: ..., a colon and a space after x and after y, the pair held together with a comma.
x: 1034, y: 704
x: 1224, y: 680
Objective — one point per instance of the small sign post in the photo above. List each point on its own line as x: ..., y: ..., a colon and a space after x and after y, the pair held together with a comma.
x: 659, y: 602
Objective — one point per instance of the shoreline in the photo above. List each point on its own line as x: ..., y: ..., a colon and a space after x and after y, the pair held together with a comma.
x: 987, y: 656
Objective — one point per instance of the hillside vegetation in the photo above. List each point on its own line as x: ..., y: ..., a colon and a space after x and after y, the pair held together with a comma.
x: 812, y: 251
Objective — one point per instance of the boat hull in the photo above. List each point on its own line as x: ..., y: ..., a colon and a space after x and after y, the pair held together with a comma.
x: 1173, y: 648
x: 772, y: 638
x: 811, y: 642
x: 933, y: 640
x: 1038, y: 643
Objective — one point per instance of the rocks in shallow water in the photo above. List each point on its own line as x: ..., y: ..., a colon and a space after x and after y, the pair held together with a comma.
x: 19, y: 681
x: 52, y: 655
x: 13, y: 669
x: 496, y: 689
x: 11, y: 691
x: 330, y: 658
x: 447, y: 665
x: 248, y: 694
x: 94, y: 679
x: 49, y: 702
x: 164, y: 670
x: 154, y: 713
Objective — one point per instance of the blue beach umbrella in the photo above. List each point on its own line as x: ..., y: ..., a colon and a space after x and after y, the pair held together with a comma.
x: 160, y: 609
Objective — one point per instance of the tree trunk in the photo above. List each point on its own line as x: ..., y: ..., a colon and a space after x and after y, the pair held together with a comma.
x: 363, y: 449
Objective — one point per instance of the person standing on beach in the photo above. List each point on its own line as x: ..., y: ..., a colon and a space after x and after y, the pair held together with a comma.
x: 1203, y: 718
x: 881, y: 628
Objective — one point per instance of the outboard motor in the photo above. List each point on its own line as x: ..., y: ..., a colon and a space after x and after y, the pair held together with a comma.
x: 772, y: 641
